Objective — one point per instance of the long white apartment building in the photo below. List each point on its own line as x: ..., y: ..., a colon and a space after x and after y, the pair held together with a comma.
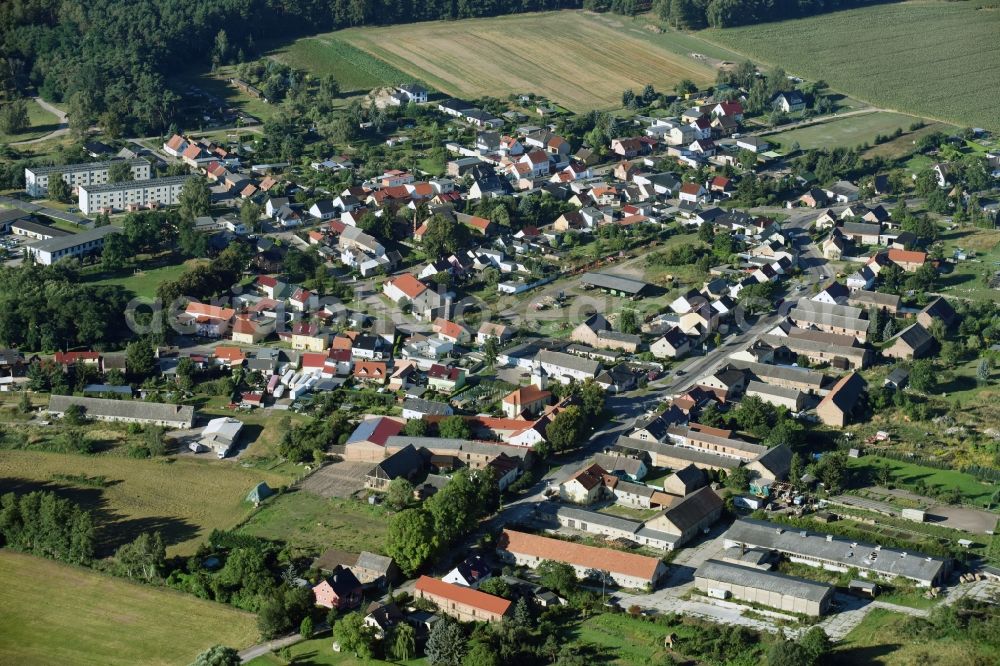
x: 118, y: 196
x: 36, y: 179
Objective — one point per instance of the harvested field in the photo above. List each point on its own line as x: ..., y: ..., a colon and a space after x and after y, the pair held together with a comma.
x: 578, y: 60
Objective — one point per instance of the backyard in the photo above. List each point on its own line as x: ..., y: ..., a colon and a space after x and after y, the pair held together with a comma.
x: 59, y: 614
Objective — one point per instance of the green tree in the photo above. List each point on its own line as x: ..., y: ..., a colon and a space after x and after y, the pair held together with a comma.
x: 195, y: 199
x: 498, y: 587
x: 738, y: 479
x: 404, y: 642
x: 400, y: 493
x: 355, y: 636
x: 415, y: 428
x: 410, y: 540
x: 119, y: 172
x: 144, y: 558
x: 58, y: 188
x: 922, y: 376
x: 480, y: 654
x: 567, y: 429
x: 558, y: 577
x: 982, y: 371
x: 218, y: 655
x: 306, y: 627
x: 788, y: 653
x: 140, y: 358
x: 116, y: 253
x: 832, y: 471
x: 24, y: 402
x: 14, y: 117
x: 591, y: 400
x: 628, y: 323
x: 443, y: 236
x: 454, y: 427
x: 250, y: 216
x: 446, y: 644
x: 796, y: 469
x: 491, y: 350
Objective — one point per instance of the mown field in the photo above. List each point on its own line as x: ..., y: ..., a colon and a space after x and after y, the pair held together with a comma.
x: 144, y: 283
x: 58, y: 614
x: 906, y: 474
x: 183, y: 498
x: 848, y: 132
x: 313, y: 523
x: 577, y: 60
x: 969, y: 278
x: 927, y: 57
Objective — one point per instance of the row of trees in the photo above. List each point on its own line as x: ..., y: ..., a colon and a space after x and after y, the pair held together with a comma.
x: 43, y: 524
x: 695, y: 14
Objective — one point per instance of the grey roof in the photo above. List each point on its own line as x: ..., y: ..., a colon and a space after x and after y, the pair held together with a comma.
x: 373, y: 562
x: 602, y: 519
x: 770, y: 389
x: 734, y: 574
x: 739, y: 444
x: 637, y: 489
x: 12, y: 215
x: 777, y: 460
x: 401, y: 463
x: 620, y: 337
x: 695, y: 456
x: 39, y: 228
x: 85, y: 166
x: 129, y: 409
x: 568, y: 361
x: 53, y: 245
x: 469, y: 446
x: 618, y: 283
x: 614, y: 463
x: 898, y: 375
x: 914, y: 566
x: 861, y: 229
x: 846, y: 392
x: 941, y: 309
x: 765, y: 371
x: 915, y: 336
x: 841, y: 316
x: 691, y: 475
x: 804, y: 345
x: 693, y: 509
x: 137, y: 184
x: 874, y: 298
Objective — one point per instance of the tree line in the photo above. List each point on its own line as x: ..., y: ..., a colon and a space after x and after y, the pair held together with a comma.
x: 43, y: 524
x: 696, y: 14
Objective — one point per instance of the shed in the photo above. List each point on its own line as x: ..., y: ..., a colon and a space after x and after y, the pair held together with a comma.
x: 259, y: 493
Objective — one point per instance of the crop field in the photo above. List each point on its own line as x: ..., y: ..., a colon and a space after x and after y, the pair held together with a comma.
x: 575, y: 59
x: 846, y: 132
x: 184, y: 498
x: 927, y: 57
x: 905, y: 474
x: 354, y: 69
x: 58, y: 614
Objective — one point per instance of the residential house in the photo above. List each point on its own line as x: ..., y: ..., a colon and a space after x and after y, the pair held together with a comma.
x: 307, y: 336
x: 586, y: 486
x: 789, y: 102
x: 672, y: 344
x: 340, y: 590
x: 525, y: 402
x: 472, y: 571
x: 445, y: 379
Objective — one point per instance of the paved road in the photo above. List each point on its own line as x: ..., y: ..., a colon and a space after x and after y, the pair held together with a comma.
x: 59, y: 131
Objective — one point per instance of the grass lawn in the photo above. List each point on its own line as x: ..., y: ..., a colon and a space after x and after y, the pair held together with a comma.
x: 846, y: 132
x: 932, y: 56
x: 906, y: 474
x: 517, y: 54
x: 185, y: 498
x: 143, y: 283
x: 905, y: 145
x: 40, y: 122
x: 879, y: 640
x: 312, y: 523
x: 969, y: 277
x: 59, y: 614
x: 217, y: 83
x: 319, y: 652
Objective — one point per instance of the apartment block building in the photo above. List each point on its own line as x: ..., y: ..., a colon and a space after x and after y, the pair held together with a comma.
x: 36, y: 179
x: 118, y: 196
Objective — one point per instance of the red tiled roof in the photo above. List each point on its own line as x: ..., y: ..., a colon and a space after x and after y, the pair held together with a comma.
x: 525, y: 395
x: 409, y: 285
x: 370, y: 369
x: 907, y: 256
x: 230, y: 354
x: 462, y: 595
x: 448, y: 328
x: 210, y: 311
x: 590, y: 557
x: 66, y: 358
x: 690, y: 188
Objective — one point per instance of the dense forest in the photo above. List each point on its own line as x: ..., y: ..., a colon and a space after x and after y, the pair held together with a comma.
x: 106, y: 59
x: 694, y: 14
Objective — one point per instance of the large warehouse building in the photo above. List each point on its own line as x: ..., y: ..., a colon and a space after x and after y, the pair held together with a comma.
x: 788, y: 593
x: 835, y: 554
